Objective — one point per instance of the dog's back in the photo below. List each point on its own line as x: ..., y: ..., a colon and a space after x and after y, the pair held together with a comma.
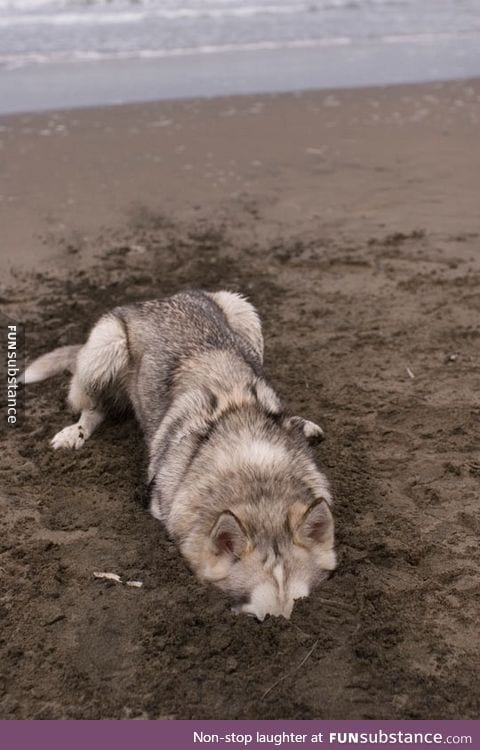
x: 190, y: 337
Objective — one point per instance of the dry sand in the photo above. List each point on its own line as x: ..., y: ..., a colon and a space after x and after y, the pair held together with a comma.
x: 352, y: 220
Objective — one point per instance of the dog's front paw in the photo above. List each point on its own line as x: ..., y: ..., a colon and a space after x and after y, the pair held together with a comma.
x: 70, y: 437
x: 313, y: 432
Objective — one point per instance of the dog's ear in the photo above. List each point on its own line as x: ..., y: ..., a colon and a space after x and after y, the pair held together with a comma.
x: 312, y: 525
x: 228, y: 537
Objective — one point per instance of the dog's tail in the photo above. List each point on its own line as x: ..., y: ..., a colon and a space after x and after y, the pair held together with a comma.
x: 53, y: 363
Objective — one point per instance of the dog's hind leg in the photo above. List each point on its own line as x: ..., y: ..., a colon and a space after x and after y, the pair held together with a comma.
x: 242, y: 317
x: 102, y: 363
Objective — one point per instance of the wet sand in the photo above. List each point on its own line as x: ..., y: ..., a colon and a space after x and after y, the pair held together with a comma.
x: 350, y: 218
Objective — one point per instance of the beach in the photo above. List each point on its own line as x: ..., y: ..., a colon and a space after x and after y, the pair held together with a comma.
x: 61, y: 54
x: 350, y: 219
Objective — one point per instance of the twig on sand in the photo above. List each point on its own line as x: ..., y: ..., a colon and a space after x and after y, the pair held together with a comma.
x: 290, y: 674
x: 410, y: 373
x: 117, y: 579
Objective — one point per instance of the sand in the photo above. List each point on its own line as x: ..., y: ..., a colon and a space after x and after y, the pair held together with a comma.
x: 351, y: 220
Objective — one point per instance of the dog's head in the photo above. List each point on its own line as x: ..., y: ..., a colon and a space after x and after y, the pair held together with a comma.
x: 266, y: 563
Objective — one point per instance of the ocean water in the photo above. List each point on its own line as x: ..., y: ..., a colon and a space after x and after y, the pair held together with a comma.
x: 205, y: 47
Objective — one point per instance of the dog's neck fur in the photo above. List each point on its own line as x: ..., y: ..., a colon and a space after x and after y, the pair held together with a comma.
x: 205, y: 410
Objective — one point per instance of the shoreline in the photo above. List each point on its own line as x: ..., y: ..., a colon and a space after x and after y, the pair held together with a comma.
x: 357, y: 92
x: 67, y: 85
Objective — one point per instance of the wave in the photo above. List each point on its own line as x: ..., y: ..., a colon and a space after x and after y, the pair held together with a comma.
x: 151, y: 54
x: 46, y: 12
x: 11, y: 61
x: 127, y: 17
x: 25, y: 6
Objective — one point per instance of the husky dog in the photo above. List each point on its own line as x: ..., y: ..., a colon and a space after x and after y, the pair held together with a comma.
x: 230, y: 474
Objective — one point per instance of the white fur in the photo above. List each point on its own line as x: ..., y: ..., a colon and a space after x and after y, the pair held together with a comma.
x: 298, y: 589
x: 105, y: 355
x: 326, y: 559
x: 271, y: 597
x: 75, y: 435
x: 279, y: 576
x: 69, y: 437
x: 311, y: 430
x: 253, y: 452
x: 265, y: 600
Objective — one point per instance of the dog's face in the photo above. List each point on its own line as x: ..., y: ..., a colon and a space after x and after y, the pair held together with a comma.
x: 267, y: 569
